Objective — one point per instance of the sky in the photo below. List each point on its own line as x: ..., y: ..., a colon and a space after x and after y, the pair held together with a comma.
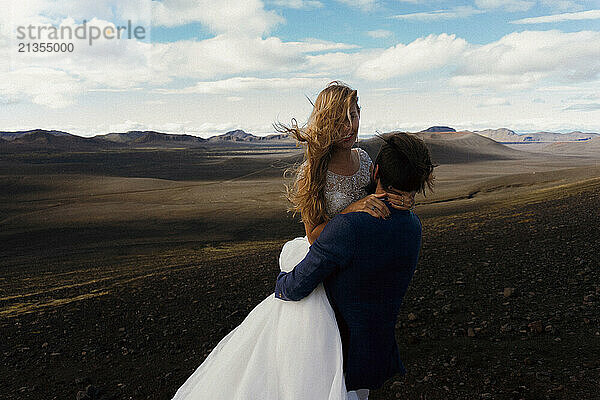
x: 207, y: 67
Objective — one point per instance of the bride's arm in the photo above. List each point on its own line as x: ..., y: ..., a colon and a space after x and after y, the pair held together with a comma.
x: 371, y: 204
x: 313, y: 232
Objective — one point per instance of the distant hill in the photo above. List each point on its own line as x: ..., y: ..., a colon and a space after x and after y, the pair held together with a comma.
x: 453, y: 147
x: 242, y: 136
x: 152, y: 138
x: 234, y: 136
x: 506, y: 135
x: 588, y: 148
x: 278, y: 136
x: 121, y: 137
x: 42, y: 140
x: 439, y: 129
x: 9, y: 136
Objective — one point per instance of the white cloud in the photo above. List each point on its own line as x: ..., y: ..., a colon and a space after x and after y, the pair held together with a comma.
x: 46, y: 11
x: 562, y: 5
x: 380, y: 34
x: 242, y: 17
x: 227, y: 55
x: 508, y: 5
x: 127, y: 65
x: 494, y: 102
x: 422, y: 54
x: 516, y: 61
x: 242, y: 84
x: 362, y: 4
x: 311, y: 45
x: 576, y: 16
x: 456, y: 12
x: 584, y: 107
x: 298, y: 4
x: 55, y: 79
x: 497, y: 81
x: 337, y: 63
x: 521, y: 59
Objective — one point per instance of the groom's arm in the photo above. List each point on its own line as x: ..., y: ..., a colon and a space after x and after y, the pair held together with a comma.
x: 333, y: 249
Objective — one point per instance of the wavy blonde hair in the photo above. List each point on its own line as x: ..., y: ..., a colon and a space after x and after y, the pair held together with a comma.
x: 325, y: 127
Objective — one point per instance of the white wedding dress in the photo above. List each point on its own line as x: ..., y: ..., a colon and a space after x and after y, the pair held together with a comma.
x: 283, y: 350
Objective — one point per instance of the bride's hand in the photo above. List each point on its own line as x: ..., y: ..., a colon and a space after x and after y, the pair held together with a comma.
x: 371, y: 204
x: 401, y: 200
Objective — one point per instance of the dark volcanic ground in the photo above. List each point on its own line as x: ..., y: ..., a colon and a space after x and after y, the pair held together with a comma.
x: 504, y: 305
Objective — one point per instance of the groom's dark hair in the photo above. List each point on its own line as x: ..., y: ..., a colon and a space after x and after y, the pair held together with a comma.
x: 404, y: 163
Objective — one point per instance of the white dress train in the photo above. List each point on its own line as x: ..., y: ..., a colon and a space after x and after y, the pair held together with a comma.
x: 283, y: 350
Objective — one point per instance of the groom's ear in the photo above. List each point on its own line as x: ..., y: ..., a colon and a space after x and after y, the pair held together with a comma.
x: 375, y: 176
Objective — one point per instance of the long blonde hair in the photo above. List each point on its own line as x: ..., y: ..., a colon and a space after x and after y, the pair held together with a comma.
x: 325, y: 127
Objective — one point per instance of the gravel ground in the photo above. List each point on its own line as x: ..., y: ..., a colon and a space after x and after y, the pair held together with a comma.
x: 504, y: 305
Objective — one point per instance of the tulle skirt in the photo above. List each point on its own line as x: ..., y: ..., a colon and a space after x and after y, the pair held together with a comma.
x: 283, y: 350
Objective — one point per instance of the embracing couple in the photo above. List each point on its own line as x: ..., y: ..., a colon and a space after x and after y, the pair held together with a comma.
x: 328, y: 332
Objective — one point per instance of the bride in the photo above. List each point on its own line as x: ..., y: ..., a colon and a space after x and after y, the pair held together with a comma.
x: 292, y: 350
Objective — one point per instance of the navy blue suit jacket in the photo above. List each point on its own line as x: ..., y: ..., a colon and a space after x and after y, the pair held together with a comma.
x: 366, y: 264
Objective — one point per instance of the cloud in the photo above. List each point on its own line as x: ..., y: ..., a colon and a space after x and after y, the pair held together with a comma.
x: 508, y: 5
x: 562, y: 5
x: 227, y: 55
x: 423, y: 54
x: 456, y: 12
x: 494, y: 102
x: 298, y: 4
x: 380, y: 33
x: 516, y: 61
x: 362, y: 4
x: 339, y: 64
x: 576, y: 16
x: 242, y: 17
x: 56, y: 79
x: 498, y: 81
x: 35, y: 11
x: 43, y: 86
x: 584, y: 107
x: 521, y: 59
x: 311, y: 45
x: 126, y: 65
x: 243, y: 84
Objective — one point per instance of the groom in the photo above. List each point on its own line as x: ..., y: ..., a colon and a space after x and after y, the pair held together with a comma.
x: 366, y: 265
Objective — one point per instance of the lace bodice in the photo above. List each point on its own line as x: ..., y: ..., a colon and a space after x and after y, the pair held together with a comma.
x: 342, y: 190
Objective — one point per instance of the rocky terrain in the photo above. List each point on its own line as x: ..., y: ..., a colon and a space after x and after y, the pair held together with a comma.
x: 503, y: 305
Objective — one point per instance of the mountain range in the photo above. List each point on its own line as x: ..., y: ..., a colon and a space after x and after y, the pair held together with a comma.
x: 504, y: 135
x: 54, y: 140
x: 40, y: 139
